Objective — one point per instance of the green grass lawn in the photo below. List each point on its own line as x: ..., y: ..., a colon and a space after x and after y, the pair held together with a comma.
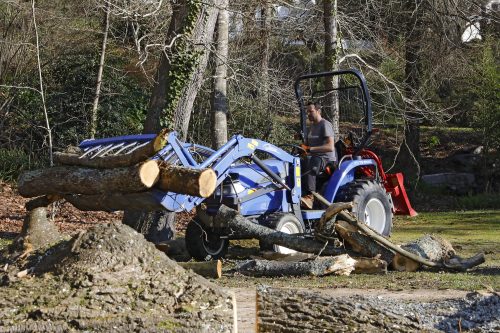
x: 470, y: 232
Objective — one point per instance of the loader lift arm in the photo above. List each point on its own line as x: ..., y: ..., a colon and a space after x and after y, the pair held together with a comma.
x: 186, y: 155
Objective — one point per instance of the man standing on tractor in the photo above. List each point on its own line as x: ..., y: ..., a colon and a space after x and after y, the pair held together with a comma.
x: 320, y: 149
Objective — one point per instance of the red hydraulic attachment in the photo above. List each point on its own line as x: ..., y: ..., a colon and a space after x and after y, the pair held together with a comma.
x: 393, y: 184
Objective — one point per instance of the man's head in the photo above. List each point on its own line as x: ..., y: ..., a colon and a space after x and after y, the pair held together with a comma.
x: 313, y: 112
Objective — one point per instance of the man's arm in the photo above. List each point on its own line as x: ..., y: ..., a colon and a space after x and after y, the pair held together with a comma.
x: 326, y: 147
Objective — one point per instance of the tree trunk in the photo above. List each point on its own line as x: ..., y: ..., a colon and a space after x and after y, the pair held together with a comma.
x: 219, y: 95
x: 287, y: 310
x: 155, y: 223
x: 409, y: 155
x: 242, y: 226
x: 200, y: 183
x: 339, y: 265
x: 143, y: 201
x: 95, y: 105
x: 75, y: 180
x: 202, y: 39
x: 114, y: 161
x: 331, y: 56
x: 179, y: 76
x: 158, y: 99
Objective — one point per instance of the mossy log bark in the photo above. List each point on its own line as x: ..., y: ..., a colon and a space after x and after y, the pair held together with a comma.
x: 141, y: 154
x: 285, y: 310
x: 339, y: 265
x: 244, y: 227
x: 200, y: 183
x: 76, y: 180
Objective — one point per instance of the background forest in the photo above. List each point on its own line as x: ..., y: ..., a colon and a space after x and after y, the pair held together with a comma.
x: 70, y: 70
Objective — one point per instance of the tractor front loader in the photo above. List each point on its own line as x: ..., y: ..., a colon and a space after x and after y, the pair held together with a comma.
x: 263, y: 181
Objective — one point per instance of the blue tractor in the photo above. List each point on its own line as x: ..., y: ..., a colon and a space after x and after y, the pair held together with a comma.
x: 262, y: 181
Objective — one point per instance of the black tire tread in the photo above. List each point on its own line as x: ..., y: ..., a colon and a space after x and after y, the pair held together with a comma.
x: 194, y: 243
x: 354, y: 191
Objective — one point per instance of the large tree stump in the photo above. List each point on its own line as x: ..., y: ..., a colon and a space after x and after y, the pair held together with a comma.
x: 290, y: 311
x: 75, y: 180
x: 339, y: 265
x: 141, y: 154
x: 110, y: 279
x: 38, y: 232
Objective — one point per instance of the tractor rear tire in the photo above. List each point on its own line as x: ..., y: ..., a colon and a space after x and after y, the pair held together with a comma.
x: 371, y: 204
x: 284, y: 222
x: 205, y: 244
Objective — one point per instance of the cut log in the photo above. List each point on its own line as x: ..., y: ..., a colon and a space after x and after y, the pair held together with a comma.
x: 339, y: 265
x: 370, y: 266
x: 72, y: 157
x: 75, y: 180
x: 362, y: 244
x: 200, y: 183
x: 143, y: 201
x: 209, y: 269
x: 245, y: 228
x: 291, y: 310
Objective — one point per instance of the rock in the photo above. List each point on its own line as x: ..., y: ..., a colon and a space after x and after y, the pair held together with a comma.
x: 459, y: 183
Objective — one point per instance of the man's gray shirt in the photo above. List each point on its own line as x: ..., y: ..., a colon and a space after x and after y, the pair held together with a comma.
x: 318, y: 134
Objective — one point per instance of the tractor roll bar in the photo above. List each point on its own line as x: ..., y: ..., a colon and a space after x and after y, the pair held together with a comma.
x: 364, y: 89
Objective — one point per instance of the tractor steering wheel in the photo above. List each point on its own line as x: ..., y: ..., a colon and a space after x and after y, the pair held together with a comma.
x: 295, y: 150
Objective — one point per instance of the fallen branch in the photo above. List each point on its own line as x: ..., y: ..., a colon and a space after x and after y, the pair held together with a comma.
x: 455, y: 263
x: 244, y: 227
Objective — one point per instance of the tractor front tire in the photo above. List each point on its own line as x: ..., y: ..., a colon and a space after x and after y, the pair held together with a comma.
x: 286, y: 223
x: 371, y: 204
x: 205, y: 244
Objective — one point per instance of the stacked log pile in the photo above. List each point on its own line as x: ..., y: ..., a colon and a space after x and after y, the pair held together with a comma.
x: 115, y: 182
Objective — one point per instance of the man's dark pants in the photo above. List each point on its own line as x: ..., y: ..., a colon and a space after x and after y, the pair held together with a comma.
x: 311, y: 166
